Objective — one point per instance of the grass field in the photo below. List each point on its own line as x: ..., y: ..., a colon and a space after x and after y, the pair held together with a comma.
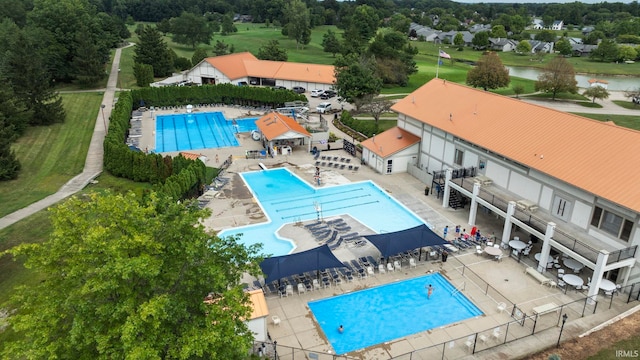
x: 628, y: 121
x: 52, y: 155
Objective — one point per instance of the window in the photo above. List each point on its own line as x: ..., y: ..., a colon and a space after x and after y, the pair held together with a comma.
x: 611, y: 223
x: 457, y: 157
x: 389, y: 166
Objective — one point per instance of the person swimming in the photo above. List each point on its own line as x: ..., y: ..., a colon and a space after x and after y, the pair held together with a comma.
x: 340, y: 329
x: 429, y: 291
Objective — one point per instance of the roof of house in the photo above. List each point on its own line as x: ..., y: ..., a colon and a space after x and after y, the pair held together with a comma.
x: 274, y: 124
x: 192, y: 156
x: 259, y: 304
x: 591, y: 155
x: 390, y: 142
x: 239, y: 65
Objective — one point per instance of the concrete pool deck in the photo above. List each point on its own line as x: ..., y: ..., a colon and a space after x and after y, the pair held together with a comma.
x: 504, y: 281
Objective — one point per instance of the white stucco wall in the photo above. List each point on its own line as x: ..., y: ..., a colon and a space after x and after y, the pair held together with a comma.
x: 258, y: 327
x: 524, y: 187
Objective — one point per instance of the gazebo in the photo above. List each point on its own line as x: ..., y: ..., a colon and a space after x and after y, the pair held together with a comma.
x: 281, y: 134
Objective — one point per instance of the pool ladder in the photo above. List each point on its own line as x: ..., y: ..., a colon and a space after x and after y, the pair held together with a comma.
x: 458, y: 289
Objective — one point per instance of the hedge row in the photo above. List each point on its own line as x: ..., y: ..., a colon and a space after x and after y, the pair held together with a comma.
x: 213, y: 94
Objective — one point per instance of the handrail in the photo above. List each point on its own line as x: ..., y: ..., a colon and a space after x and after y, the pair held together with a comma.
x: 457, y: 289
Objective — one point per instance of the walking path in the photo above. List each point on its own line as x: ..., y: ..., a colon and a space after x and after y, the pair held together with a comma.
x: 93, y: 163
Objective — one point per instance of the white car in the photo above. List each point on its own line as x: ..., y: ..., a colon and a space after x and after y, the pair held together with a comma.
x: 324, y: 107
x: 316, y: 92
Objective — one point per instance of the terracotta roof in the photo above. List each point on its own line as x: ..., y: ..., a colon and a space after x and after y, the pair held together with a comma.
x: 390, y: 142
x: 259, y: 304
x: 598, y: 81
x: 239, y: 65
x: 191, y: 156
x: 231, y: 65
x: 274, y: 124
x: 591, y: 155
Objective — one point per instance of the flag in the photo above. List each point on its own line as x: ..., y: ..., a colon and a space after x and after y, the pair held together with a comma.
x: 444, y: 55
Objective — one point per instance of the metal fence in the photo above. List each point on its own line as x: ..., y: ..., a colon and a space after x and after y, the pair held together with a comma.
x: 271, y: 350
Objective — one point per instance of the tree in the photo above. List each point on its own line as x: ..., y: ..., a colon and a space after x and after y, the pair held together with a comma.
x: 191, y: 29
x: 152, y: 50
x: 330, y: 43
x: 376, y: 107
x: 198, y: 55
x: 606, y: 51
x: 563, y: 46
x: 546, y: 36
x: 298, y: 27
x: 227, y: 25
x: 127, y: 278
x: 363, y: 25
x: 523, y: 47
x: 498, y: 31
x: 356, y: 80
x: 393, y: 56
x: 480, y: 40
x: 221, y: 48
x: 518, y: 89
x: 558, y: 76
x: 596, y: 92
x: 458, y: 41
x: 627, y: 52
x: 272, y: 51
x: 88, y: 64
x: 143, y: 74
x: 489, y: 73
x: 400, y: 23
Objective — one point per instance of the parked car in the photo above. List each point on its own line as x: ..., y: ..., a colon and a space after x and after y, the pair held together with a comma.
x: 324, y: 107
x: 298, y: 89
x: 328, y: 94
x: 278, y: 87
x: 316, y: 92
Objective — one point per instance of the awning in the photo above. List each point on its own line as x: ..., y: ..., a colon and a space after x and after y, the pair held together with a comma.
x: 398, y: 242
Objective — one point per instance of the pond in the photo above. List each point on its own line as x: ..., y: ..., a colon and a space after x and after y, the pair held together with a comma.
x: 616, y: 83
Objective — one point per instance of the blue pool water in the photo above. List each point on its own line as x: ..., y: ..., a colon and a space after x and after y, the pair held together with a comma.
x: 390, y: 312
x: 192, y: 131
x: 285, y: 198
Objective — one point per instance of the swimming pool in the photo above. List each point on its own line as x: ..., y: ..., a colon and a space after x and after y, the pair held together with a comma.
x: 390, y: 312
x: 285, y: 198
x: 192, y: 131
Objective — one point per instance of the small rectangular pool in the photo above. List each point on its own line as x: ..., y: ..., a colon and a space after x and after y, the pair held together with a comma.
x: 388, y: 312
x: 192, y: 131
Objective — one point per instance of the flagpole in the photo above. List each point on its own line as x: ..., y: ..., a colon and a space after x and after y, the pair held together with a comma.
x: 438, y: 65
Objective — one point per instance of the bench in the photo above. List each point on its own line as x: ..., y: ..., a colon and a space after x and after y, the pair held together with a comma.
x: 536, y: 275
x: 483, y: 180
x: 546, y: 308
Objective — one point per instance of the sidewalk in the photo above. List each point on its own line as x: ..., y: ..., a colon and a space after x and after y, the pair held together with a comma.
x: 93, y: 162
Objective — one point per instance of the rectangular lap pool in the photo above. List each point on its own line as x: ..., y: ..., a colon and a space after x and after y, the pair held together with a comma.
x: 388, y: 312
x: 192, y: 131
x: 285, y: 198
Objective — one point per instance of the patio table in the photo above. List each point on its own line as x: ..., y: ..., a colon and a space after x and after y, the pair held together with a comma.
x: 573, y: 264
x: 493, y: 251
x: 573, y: 280
x: 607, y: 285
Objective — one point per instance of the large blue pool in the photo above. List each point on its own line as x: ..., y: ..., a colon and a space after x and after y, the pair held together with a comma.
x: 390, y: 312
x: 285, y: 198
x: 192, y: 131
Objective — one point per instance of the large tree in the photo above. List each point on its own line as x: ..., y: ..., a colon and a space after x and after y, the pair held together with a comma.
x: 480, y: 40
x: 330, y: 43
x: 127, y: 278
x: 596, y: 92
x: 298, y: 25
x: 563, y: 46
x: 191, y: 29
x: 153, y: 50
x: 558, y: 76
x: 272, y: 51
x: 606, y: 51
x: 489, y: 73
x: 356, y: 79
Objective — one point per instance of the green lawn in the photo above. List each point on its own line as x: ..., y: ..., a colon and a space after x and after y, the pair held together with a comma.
x: 627, y: 104
x: 51, y: 155
x: 628, y: 121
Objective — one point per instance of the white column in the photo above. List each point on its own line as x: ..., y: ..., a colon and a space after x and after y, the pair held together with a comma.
x: 506, y: 230
x: 598, y: 272
x: 473, y: 209
x: 546, y: 247
x: 447, y: 189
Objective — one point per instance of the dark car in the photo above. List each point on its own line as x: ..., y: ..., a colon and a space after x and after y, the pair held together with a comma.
x: 278, y: 87
x: 298, y: 89
x: 328, y: 94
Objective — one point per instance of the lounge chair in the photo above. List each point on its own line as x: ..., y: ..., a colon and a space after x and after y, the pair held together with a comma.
x: 316, y: 284
x: 372, y: 261
x: 289, y: 289
x: 347, y: 274
x: 336, y: 245
x: 356, y: 266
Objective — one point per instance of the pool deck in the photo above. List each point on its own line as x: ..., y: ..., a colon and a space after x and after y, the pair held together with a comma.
x: 234, y: 206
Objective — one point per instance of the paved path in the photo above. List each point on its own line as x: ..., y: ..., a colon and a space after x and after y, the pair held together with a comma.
x: 93, y: 163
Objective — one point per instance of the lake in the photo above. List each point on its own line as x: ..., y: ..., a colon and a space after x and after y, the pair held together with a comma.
x: 621, y: 83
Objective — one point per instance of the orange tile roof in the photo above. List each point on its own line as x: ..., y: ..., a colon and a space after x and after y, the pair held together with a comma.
x: 190, y: 156
x: 259, y: 304
x: 231, y: 65
x: 274, y: 124
x: 591, y: 155
x: 390, y: 142
x: 239, y: 65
